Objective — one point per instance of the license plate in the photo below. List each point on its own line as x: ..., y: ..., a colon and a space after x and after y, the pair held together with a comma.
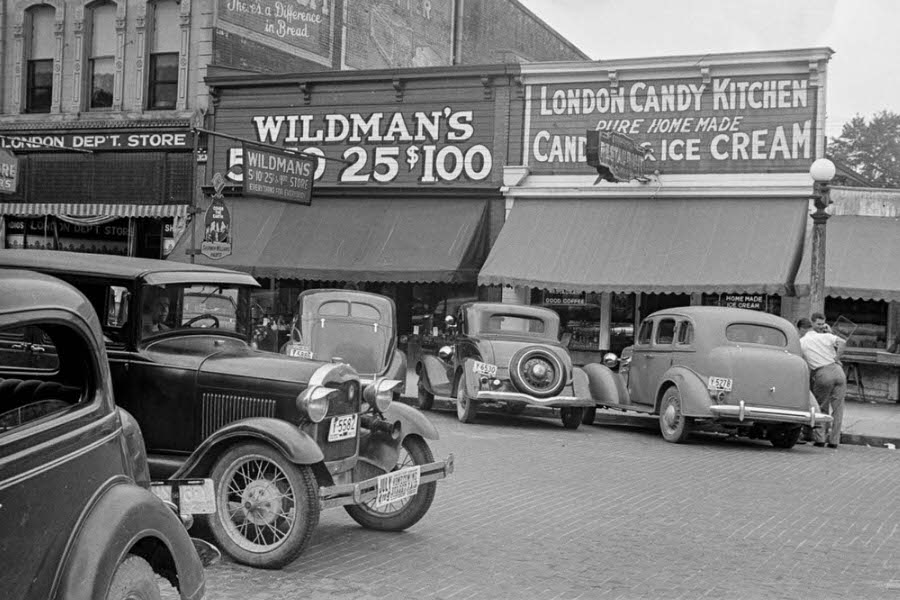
x: 342, y: 428
x: 191, y: 496
x: 484, y: 368
x: 397, y: 485
x: 719, y: 384
x: 299, y: 352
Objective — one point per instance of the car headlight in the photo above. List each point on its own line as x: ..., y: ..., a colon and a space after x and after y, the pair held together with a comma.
x: 610, y: 359
x: 314, y: 402
x: 381, y: 392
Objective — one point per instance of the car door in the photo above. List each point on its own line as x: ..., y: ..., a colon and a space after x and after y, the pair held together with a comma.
x: 643, y: 364
x: 57, y: 449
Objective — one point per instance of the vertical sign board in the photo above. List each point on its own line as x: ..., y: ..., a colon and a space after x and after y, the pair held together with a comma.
x: 278, y: 175
x: 216, y: 242
x: 9, y: 172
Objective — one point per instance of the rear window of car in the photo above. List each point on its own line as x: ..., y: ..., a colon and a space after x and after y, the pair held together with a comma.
x: 365, y: 311
x: 512, y: 323
x: 749, y: 333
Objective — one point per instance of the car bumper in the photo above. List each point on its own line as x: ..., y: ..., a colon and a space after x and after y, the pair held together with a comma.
x: 552, y: 402
x: 742, y: 412
x: 366, y: 491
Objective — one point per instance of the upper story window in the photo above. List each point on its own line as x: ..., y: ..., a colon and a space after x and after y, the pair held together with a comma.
x: 41, y: 48
x: 165, y: 43
x: 101, y: 64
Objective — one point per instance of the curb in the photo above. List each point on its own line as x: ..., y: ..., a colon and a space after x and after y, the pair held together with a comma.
x: 616, y: 417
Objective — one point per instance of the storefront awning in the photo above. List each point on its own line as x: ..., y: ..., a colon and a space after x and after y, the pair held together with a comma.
x: 650, y: 245
x: 34, y: 209
x: 353, y: 239
x: 861, y: 259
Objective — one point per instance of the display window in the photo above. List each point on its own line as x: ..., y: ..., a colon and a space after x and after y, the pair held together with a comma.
x: 866, y: 321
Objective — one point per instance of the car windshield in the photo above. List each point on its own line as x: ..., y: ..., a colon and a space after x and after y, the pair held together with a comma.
x: 748, y: 333
x: 194, y: 306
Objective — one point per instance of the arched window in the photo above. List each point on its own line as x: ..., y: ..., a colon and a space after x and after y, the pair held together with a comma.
x: 41, y: 47
x: 101, y: 63
x: 165, y: 42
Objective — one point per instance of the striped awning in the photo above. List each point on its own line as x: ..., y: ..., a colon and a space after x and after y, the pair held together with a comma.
x: 32, y: 209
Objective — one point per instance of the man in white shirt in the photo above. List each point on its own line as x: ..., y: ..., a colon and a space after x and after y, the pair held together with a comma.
x: 821, y: 349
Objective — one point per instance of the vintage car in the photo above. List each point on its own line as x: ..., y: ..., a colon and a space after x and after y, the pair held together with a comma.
x: 359, y: 328
x: 279, y: 437
x: 727, y: 369
x: 78, y: 520
x: 505, y: 354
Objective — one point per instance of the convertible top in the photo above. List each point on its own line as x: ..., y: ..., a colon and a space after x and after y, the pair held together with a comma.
x: 122, y: 267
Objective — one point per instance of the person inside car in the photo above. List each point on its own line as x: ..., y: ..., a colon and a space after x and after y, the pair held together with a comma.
x: 155, y: 312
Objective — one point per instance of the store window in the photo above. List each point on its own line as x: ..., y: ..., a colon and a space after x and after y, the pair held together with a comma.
x: 41, y: 48
x: 101, y: 64
x: 864, y: 320
x: 165, y: 43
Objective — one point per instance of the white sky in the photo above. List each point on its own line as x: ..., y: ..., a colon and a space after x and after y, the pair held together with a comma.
x: 863, y: 74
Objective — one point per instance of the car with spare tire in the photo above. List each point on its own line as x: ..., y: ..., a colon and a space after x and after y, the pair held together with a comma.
x: 505, y: 355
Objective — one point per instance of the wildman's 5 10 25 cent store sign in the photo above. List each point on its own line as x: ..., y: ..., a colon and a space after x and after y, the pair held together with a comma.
x: 443, y: 144
x: 730, y: 124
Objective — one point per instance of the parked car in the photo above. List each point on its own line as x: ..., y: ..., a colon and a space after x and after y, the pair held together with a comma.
x: 504, y: 354
x: 359, y: 328
x: 736, y: 370
x: 280, y: 437
x: 77, y: 518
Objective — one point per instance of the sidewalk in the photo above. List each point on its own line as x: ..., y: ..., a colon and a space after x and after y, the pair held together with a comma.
x: 865, y: 423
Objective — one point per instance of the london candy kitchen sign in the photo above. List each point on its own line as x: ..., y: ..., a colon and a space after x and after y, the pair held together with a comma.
x: 432, y: 145
x: 730, y: 124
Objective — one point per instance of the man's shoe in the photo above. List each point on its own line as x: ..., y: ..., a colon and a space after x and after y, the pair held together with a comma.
x: 833, y: 446
x: 819, y: 444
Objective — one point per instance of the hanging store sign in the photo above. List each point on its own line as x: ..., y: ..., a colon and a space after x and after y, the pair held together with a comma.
x: 749, y: 301
x: 99, y: 140
x: 216, y: 242
x: 9, y: 172
x: 563, y: 299
x: 726, y: 125
x: 278, y: 175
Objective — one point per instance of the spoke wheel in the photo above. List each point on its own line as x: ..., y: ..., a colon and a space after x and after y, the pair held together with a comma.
x: 266, y: 506
x: 406, y: 512
x: 465, y: 407
x: 134, y: 579
x: 673, y: 425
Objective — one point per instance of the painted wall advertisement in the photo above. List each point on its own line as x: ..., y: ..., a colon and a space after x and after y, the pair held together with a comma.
x: 427, y: 145
x: 300, y: 24
x: 399, y: 33
x: 731, y: 124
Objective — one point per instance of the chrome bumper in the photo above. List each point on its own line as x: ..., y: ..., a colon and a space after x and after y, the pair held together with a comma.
x: 365, y: 491
x: 552, y: 402
x: 742, y: 412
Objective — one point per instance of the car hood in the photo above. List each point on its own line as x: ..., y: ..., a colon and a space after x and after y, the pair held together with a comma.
x: 258, y: 364
x: 500, y: 351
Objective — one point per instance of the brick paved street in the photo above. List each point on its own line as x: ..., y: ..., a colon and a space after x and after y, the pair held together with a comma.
x: 536, y: 511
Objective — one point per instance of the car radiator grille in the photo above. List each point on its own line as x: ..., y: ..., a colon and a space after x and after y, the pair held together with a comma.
x: 221, y: 409
x: 345, y: 403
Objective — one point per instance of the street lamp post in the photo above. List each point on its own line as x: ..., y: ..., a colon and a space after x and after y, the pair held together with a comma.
x: 822, y: 172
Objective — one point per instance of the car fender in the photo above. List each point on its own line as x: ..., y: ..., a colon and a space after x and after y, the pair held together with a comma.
x: 412, y: 421
x: 695, y: 399
x: 295, y: 445
x: 605, y: 387
x: 125, y: 518
x: 435, y: 378
x: 467, y: 375
x: 580, y: 383
x: 397, y: 368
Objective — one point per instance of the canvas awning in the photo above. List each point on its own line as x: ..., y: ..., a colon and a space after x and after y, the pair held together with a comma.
x: 354, y: 239
x: 861, y: 258
x: 650, y: 245
x: 97, y: 209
